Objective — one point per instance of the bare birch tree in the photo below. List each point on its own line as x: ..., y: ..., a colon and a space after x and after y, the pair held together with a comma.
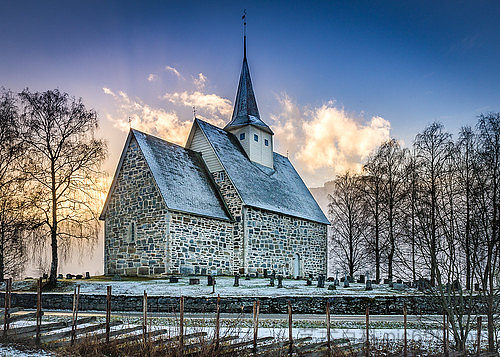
x: 63, y: 161
x: 346, y: 211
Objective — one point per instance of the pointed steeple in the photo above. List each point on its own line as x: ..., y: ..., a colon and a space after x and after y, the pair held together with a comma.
x: 245, y: 107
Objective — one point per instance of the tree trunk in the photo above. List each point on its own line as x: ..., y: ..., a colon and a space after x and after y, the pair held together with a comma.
x: 53, y: 232
x: 377, y: 248
x: 2, y: 252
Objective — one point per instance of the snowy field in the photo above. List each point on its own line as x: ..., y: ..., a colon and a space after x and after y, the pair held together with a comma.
x: 258, y: 287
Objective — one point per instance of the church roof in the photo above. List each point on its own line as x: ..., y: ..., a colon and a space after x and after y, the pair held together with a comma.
x: 280, y: 190
x: 245, y: 107
x: 181, y: 176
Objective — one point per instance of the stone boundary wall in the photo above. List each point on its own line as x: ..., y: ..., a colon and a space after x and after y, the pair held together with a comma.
x: 341, y: 305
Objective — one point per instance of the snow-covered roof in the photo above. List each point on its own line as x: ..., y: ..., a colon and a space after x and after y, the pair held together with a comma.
x: 181, y: 176
x: 245, y: 107
x: 280, y: 190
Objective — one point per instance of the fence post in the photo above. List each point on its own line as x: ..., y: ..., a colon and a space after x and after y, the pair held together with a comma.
x: 405, y: 330
x: 38, y: 310
x: 108, y: 311
x: 479, y: 323
x: 290, y: 323
x: 144, y: 318
x: 76, y: 299
x: 217, y: 323
x: 367, y: 331
x: 256, y: 309
x: 328, y: 327
x: 8, y: 288
x: 181, y: 325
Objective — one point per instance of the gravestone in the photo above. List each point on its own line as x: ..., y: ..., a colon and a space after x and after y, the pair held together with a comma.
x: 194, y: 281
x: 399, y: 281
x: 387, y: 281
x: 332, y: 287
x: 265, y: 273
x: 117, y: 277
x: 336, y: 281
x: 280, y: 281
x: 455, y: 285
x: 173, y: 279
x: 69, y: 276
x: 79, y: 276
x: 351, y: 279
x: 368, y: 285
x: 346, y: 281
x: 60, y: 276
x: 247, y: 277
x: 423, y: 284
x: 308, y: 282
x: 236, y: 280
x: 399, y: 286
x: 321, y: 281
x: 271, y: 281
x: 87, y: 275
x: 361, y: 279
x: 210, y: 280
x: 477, y: 287
x: 45, y: 276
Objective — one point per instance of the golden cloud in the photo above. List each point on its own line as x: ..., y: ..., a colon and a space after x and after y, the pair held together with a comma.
x: 326, y: 140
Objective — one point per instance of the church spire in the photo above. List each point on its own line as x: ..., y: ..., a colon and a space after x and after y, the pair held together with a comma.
x: 245, y: 110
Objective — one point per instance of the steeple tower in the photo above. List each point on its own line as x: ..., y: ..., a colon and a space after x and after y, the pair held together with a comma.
x: 245, y: 110
x: 254, y: 135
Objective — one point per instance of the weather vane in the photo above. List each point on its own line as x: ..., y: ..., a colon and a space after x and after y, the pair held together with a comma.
x: 130, y: 122
x: 244, y: 18
x: 194, y: 111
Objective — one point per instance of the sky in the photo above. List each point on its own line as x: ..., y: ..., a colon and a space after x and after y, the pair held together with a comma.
x: 332, y: 78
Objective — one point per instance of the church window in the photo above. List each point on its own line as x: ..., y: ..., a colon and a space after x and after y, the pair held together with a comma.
x: 266, y: 142
x: 132, y: 232
x: 242, y: 136
x: 255, y: 137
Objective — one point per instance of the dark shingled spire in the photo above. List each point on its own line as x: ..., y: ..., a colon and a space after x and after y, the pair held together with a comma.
x: 245, y: 107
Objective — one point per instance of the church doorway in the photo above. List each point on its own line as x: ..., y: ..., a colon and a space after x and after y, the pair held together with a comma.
x: 296, y: 266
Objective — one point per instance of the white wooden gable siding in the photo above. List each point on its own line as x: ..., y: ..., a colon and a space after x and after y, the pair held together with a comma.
x: 200, y: 144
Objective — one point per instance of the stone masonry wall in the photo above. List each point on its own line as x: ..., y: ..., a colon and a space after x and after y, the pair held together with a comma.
x: 135, y: 199
x: 199, y: 245
x: 165, y: 241
x: 274, y: 239
x: 351, y: 305
x: 235, y: 205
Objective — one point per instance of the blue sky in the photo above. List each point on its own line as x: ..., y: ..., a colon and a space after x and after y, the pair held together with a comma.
x: 348, y: 62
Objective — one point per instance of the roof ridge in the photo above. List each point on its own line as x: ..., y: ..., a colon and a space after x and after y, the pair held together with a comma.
x: 163, y: 140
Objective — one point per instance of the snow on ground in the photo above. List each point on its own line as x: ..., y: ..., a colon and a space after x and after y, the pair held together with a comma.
x: 254, y: 287
x: 11, y: 351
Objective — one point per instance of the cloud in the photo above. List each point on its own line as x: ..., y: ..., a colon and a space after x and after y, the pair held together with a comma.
x: 200, y: 81
x: 217, y: 108
x: 152, y: 77
x: 326, y: 140
x: 156, y: 121
x: 174, y: 71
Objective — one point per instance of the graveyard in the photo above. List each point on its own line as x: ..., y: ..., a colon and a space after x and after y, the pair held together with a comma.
x: 224, y: 286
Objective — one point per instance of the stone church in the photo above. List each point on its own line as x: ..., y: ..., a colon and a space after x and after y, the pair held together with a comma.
x: 224, y: 203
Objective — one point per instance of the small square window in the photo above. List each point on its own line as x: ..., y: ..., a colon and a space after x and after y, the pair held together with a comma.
x: 255, y: 137
x: 266, y: 142
x: 242, y: 136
